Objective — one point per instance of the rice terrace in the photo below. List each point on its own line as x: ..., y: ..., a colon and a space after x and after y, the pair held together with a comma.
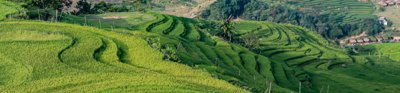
x: 199, y: 46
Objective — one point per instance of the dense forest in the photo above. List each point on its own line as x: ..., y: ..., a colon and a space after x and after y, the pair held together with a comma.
x: 329, y: 24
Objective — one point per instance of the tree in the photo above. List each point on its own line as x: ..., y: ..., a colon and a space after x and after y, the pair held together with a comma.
x: 101, y: 7
x: 141, y: 5
x: 84, y: 7
x: 250, y: 40
x: 227, y: 28
x: 45, y: 4
x: 44, y: 9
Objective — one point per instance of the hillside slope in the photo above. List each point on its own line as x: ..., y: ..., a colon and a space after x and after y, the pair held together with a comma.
x: 54, y: 57
x: 152, y: 52
x: 287, y: 55
x: 333, y: 19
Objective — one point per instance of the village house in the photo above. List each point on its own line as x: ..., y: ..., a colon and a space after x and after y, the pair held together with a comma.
x: 373, y: 39
x: 360, y: 41
x: 382, y: 20
x: 396, y: 38
x: 388, y: 2
x: 352, y: 41
x: 380, y: 39
x: 377, y: 39
x: 366, y: 40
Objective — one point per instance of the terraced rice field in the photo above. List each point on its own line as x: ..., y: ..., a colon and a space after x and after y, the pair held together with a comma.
x: 118, y: 57
x: 230, y: 62
x: 195, y: 47
x: 293, y: 44
x: 7, y: 8
x: 287, y: 55
x: 56, y: 57
x: 173, y: 26
x: 291, y: 49
x: 390, y: 50
x: 353, y: 10
x: 299, y: 55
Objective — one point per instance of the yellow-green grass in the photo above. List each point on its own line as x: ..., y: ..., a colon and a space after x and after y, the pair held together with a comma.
x: 390, y: 50
x: 110, y: 20
x: 87, y: 59
x: 30, y: 36
x: 7, y: 8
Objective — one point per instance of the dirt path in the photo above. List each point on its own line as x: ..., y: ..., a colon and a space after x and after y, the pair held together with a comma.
x: 187, y: 11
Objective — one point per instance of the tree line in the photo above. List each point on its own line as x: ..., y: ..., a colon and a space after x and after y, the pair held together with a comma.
x: 51, y: 9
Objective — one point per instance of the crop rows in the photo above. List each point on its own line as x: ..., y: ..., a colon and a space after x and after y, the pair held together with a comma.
x: 282, y: 48
x: 75, y: 58
x: 174, y: 26
x: 226, y: 61
x: 353, y: 10
x: 294, y: 50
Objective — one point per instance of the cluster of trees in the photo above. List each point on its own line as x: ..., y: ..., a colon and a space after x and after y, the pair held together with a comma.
x: 329, y: 25
x: 52, y: 9
x: 43, y: 9
x: 85, y: 7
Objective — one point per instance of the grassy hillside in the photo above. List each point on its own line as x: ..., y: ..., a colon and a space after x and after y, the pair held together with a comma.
x: 151, y: 52
x: 7, y: 8
x: 55, y: 57
x: 316, y: 63
x: 288, y: 55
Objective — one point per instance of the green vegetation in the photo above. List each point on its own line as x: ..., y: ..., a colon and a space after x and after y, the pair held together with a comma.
x: 332, y: 19
x: 354, y: 10
x: 285, y: 55
x: 54, y: 57
x: 299, y: 55
x: 7, y: 8
x: 164, y: 4
x: 110, y: 20
x: 392, y: 14
x: 195, y: 47
x: 151, y: 52
x: 390, y: 50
